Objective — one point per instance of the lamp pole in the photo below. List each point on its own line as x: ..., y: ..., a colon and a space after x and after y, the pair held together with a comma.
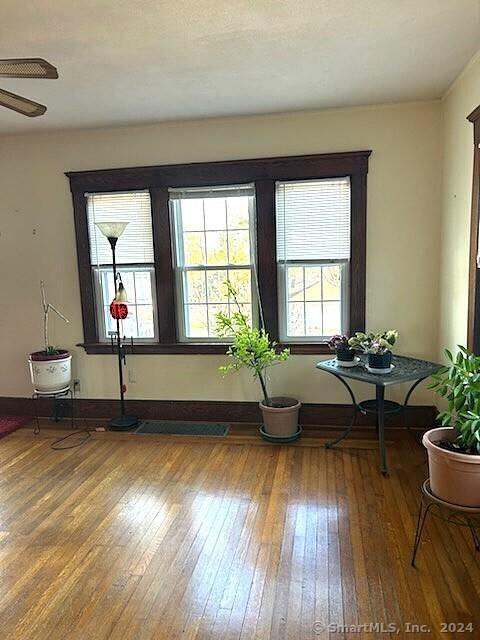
x: 112, y: 231
x: 120, y: 349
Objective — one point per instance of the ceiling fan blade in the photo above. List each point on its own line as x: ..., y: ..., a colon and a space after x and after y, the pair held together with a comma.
x: 27, y: 68
x: 21, y: 105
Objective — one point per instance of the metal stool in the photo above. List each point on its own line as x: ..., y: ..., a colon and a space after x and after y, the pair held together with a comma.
x: 56, y: 395
x: 451, y: 513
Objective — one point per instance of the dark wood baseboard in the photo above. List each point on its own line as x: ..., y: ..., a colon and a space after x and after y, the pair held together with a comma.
x: 215, y: 411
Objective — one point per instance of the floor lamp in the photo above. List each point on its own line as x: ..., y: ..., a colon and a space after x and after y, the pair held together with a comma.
x: 112, y: 231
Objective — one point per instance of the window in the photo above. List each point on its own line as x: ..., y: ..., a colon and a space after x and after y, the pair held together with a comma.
x: 313, y: 254
x: 213, y: 243
x: 290, y: 232
x: 135, y: 263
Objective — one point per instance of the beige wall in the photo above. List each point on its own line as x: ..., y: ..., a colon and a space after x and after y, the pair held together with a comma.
x: 37, y: 237
x: 462, y: 98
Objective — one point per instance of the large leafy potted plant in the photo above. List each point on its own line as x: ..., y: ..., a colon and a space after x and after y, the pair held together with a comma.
x: 253, y: 349
x: 51, y: 368
x: 378, y: 347
x: 454, y: 449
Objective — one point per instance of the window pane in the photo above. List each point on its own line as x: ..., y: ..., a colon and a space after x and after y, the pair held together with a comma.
x: 245, y: 309
x: 241, y: 280
x: 313, y: 283
x: 216, y: 247
x: 195, y: 286
x: 107, y: 286
x: 239, y: 247
x: 196, y: 321
x: 110, y: 323
x: 296, y: 291
x: 128, y: 280
x: 213, y: 309
x: 332, y: 283
x: 296, y: 319
x: 313, y: 315
x: 215, y: 214
x: 192, y: 215
x: 194, y: 248
x: 237, y: 213
x: 216, y: 288
x: 128, y: 327
x: 332, y: 318
x: 145, y: 321
x: 143, y: 288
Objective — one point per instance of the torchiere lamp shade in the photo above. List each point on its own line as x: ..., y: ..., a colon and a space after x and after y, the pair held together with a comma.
x: 112, y: 229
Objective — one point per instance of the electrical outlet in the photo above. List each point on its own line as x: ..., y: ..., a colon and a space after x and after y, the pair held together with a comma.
x: 77, y: 386
x: 132, y: 377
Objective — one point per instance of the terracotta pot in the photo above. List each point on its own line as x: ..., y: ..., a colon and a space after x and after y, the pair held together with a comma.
x: 50, y: 373
x: 454, y: 477
x: 281, y: 420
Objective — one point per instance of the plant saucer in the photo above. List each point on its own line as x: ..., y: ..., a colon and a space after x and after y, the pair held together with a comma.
x: 379, y: 371
x: 347, y: 363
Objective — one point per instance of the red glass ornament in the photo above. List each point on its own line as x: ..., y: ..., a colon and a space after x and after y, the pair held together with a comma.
x: 118, y: 310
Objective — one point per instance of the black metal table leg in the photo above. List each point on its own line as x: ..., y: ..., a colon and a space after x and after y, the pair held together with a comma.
x: 380, y: 394
x: 332, y: 443
x: 414, y: 435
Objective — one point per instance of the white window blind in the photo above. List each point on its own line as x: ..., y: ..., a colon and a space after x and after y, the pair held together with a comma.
x: 313, y: 220
x: 136, y: 243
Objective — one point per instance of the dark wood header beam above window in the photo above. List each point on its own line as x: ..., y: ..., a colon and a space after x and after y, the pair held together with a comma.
x: 263, y: 173
x: 474, y: 272
x: 328, y: 165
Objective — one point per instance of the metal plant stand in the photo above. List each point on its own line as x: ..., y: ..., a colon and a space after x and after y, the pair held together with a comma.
x: 405, y: 370
x: 451, y: 513
x: 56, y: 395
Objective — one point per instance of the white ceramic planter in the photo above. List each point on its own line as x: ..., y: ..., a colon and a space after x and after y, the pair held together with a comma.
x: 50, y: 373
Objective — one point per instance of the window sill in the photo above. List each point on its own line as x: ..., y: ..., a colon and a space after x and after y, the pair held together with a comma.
x: 189, y: 348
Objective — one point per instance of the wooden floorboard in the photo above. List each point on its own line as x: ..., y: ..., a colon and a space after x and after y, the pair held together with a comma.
x: 162, y: 537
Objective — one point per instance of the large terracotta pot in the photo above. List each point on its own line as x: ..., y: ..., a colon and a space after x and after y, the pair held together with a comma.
x: 281, y: 419
x: 50, y: 373
x: 454, y: 477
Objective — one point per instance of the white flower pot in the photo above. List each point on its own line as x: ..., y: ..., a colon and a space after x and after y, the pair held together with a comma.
x: 50, y: 373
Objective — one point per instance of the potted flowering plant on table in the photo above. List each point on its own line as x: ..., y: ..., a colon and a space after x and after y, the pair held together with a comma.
x: 51, y: 368
x: 253, y: 349
x: 454, y: 449
x: 344, y: 352
x: 378, y: 347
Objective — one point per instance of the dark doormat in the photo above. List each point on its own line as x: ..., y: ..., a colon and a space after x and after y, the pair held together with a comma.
x: 183, y: 428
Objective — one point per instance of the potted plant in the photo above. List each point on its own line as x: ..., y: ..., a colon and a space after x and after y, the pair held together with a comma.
x: 51, y: 368
x: 253, y: 349
x: 378, y: 347
x: 343, y: 351
x: 454, y: 448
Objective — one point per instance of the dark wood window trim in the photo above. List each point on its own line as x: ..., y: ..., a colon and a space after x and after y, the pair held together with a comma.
x: 264, y: 172
x: 473, y: 335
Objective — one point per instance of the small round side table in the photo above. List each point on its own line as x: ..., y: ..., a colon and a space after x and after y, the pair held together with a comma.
x: 56, y: 395
x: 451, y: 513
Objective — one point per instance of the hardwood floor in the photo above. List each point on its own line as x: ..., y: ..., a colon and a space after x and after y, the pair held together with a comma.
x: 154, y: 537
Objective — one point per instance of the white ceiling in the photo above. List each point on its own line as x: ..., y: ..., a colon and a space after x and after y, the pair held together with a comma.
x: 133, y: 61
